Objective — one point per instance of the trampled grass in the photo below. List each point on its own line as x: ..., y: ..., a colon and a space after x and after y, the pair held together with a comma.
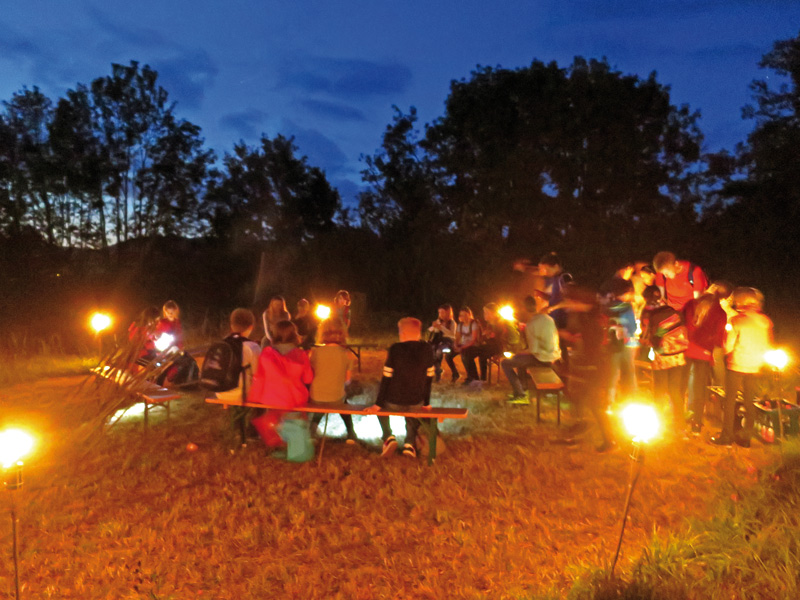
x: 505, y: 513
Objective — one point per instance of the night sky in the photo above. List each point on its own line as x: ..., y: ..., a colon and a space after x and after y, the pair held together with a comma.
x: 329, y: 72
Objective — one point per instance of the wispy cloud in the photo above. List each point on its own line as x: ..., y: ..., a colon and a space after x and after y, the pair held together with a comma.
x: 321, y: 150
x: 245, y: 123
x: 333, y: 110
x: 346, y: 78
x: 187, y: 76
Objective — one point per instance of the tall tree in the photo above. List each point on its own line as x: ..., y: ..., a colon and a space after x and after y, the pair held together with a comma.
x: 269, y: 193
x: 583, y: 158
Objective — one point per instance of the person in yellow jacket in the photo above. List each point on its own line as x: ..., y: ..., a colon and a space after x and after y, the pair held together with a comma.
x: 749, y: 338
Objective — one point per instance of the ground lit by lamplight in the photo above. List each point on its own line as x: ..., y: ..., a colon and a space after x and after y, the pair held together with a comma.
x: 641, y: 422
x: 15, y: 444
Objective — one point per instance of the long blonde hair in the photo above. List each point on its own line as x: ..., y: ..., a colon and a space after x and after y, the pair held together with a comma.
x: 704, y: 304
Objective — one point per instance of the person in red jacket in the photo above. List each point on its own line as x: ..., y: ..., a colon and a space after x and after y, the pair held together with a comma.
x: 281, y: 380
x: 705, y: 324
x: 679, y: 280
x: 170, y: 323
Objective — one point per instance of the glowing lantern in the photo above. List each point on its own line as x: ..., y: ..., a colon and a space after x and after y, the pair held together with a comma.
x: 777, y: 359
x: 100, y: 322
x: 15, y: 444
x: 508, y: 354
x: 651, y: 356
x: 322, y: 312
x: 164, y: 342
x: 641, y: 422
x: 728, y: 327
x: 507, y: 312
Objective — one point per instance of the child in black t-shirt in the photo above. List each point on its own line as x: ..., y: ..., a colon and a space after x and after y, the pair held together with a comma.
x: 406, y: 383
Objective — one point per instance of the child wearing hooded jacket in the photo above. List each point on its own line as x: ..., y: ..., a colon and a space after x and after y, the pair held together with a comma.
x: 282, y: 379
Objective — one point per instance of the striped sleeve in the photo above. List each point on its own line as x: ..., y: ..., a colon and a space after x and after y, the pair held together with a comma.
x: 388, y: 371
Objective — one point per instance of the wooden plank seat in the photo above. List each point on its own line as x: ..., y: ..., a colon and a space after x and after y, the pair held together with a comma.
x: 546, y: 381
x: 146, y: 392
x: 432, y: 415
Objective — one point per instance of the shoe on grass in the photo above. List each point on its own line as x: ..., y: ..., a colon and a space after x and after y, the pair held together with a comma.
x: 408, y: 450
x: 389, y: 446
x: 455, y: 377
x: 720, y: 440
x: 517, y: 399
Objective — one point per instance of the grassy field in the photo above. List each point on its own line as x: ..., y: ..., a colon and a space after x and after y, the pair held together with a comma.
x: 505, y: 513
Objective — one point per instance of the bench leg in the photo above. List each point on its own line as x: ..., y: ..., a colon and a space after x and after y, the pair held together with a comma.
x: 146, y: 410
x: 433, y: 433
x: 322, y: 443
x: 558, y: 408
x: 538, y: 414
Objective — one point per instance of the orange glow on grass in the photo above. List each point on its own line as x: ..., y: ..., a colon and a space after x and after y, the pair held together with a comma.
x: 15, y: 444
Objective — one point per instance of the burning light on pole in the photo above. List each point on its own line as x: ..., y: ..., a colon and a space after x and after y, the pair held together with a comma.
x: 776, y: 358
x: 322, y: 312
x: 100, y: 322
x: 507, y: 312
x: 164, y: 342
x: 15, y: 445
x: 642, y: 424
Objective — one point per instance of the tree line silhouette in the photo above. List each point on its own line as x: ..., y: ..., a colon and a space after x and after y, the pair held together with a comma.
x: 107, y: 193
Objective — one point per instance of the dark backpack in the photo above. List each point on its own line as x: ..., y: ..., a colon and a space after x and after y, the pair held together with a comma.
x: 223, y: 365
x: 670, y: 335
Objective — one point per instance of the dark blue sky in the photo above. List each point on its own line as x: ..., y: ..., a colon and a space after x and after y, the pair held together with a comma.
x: 328, y: 72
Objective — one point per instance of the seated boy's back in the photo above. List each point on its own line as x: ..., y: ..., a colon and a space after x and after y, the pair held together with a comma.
x: 242, y: 323
x: 407, y: 374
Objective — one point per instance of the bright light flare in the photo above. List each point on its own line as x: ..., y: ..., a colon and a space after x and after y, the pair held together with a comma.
x: 322, y: 312
x: 651, y: 356
x: 507, y: 312
x: 728, y: 327
x: 164, y: 342
x: 100, y: 322
x: 776, y: 358
x: 15, y: 444
x: 508, y: 354
x: 641, y: 422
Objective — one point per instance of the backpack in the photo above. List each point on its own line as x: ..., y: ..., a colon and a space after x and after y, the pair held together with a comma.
x: 223, y: 365
x: 670, y: 335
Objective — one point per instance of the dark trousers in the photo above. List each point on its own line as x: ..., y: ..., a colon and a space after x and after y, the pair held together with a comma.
x: 412, y: 424
x: 483, y: 353
x: 667, y: 384
x: 698, y: 391
x: 348, y: 423
x: 747, y: 384
x: 450, y: 356
x: 516, y: 370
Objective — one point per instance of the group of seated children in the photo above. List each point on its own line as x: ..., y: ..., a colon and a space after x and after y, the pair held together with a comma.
x: 284, y: 376
x: 150, y: 326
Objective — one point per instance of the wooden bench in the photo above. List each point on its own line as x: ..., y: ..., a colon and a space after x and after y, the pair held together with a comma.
x: 546, y: 381
x: 147, y: 392
x: 432, y: 415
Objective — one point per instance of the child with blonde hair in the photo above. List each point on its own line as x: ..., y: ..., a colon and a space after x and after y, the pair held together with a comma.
x: 331, y: 365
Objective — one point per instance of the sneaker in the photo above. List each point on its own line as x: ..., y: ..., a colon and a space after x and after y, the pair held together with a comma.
x: 408, y: 450
x: 719, y: 440
x: 455, y: 377
x: 514, y: 399
x: 389, y: 446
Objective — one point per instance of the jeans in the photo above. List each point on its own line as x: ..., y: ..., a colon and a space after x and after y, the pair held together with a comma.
x: 450, y: 356
x: 667, y: 383
x: 516, y: 369
x: 747, y: 384
x: 412, y: 424
x: 621, y: 369
x: 698, y: 392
